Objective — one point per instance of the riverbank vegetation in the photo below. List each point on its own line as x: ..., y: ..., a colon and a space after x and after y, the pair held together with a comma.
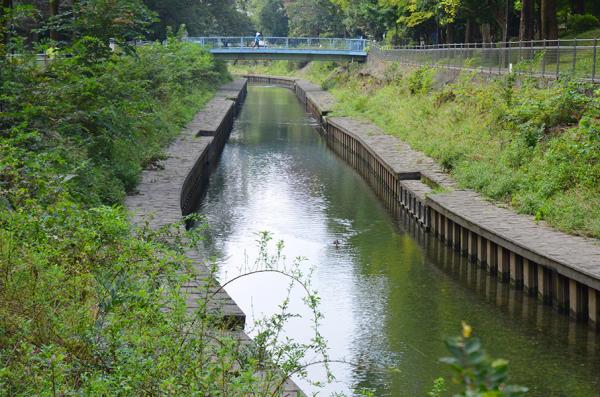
x: 535, y: 148
x: 89, y: 304
x: 416, y: 22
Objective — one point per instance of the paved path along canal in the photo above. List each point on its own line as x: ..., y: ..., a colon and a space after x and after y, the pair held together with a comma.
x: 390, y: 294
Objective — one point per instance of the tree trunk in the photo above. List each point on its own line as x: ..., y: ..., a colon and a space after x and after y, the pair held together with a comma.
x: 527, y: 20
x: 549, y: 20
x: 500, y: 16
x: 486, y: 33
x: 469, y: 30
x: 54, y: 8
x: 578, y: 7
x: 450, y: 33
x: 537, y: 27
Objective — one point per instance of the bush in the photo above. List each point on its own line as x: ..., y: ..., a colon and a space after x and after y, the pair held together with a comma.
x: 480, y: 375
x: 95, y: 118
x: 534, y: 148
x: 420, y: 81
x: 582, y: 23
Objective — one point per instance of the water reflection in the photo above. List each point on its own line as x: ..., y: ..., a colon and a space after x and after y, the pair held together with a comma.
x: 390, y: 293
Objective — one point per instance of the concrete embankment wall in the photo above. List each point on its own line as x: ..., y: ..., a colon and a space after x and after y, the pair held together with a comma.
x: 560, y: 269
x: 174, y: 188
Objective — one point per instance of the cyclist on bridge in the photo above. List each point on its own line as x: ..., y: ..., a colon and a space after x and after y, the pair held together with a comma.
x: 257, y: 39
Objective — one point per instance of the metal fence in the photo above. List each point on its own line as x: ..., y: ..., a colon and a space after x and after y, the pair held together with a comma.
x: 284, y: 43
x: 541, y: 58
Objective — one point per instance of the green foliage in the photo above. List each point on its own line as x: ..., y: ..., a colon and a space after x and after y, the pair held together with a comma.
x: 367, y: 18
x: 533, y: 148
x: 439, y: 387
x: 420, y: 81
x: 481, y: 375
x: 582, y: 23
x: 94, y: 118
x: 314, y: 18
x: 122, y: 20
x: 90, y: 305
x: 201, y: 17
x: 273, y: 19
x: 82, y: 312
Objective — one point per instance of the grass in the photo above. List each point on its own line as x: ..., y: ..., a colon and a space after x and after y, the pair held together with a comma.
x: 590, y: 34
x: 535, y: 149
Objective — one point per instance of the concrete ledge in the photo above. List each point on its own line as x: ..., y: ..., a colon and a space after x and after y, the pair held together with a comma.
x: 563, y: 269
x: 211, y: 119
x: 574, y: 257
x: 398, y: 157
x: 174, y: 186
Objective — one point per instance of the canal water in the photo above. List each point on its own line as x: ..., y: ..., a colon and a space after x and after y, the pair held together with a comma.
x: 390, y: 294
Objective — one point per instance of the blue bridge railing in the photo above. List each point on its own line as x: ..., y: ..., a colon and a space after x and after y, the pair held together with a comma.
x: 283, y: 43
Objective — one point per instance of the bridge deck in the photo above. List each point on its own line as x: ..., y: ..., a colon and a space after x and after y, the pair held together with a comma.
x: 284, y: 48
x: 287, y: 54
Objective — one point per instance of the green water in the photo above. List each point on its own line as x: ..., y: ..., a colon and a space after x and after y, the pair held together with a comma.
x: 390, y: 293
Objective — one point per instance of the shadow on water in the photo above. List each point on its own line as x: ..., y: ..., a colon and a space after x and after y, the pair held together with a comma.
x: 390, y: 292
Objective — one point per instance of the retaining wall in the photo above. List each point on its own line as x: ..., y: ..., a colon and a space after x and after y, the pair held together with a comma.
x: 175, y: 186
x: 560, y: 269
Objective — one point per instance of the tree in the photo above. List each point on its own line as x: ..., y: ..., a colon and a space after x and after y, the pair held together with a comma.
x: 201, y: 17
x: 123, y: 20
x: 273, y: 19
x: 315, y: 18
x: 527, y: 20
x: 54, y: 6
x: 367, y: 18
x: 578, y: 7
x: 549, y: 20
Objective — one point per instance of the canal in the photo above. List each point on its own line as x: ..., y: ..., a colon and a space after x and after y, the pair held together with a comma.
x: 390, y: 294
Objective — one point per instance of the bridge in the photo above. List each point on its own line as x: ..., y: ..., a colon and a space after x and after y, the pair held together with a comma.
x: 285, y: 48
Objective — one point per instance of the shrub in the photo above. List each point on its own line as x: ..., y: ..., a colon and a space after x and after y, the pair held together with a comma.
x: 95, y: 118
x: 420, y: 81
x: 476, y: 371
x: 582, y: 23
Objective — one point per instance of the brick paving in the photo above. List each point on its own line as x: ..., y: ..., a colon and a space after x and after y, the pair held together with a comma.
x: 575, y: 257
x: 405, y: 162
x: 158, y: 200
x: 161, y: 197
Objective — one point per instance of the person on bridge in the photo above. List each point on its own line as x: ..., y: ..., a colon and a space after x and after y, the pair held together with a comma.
x: 257, y: 39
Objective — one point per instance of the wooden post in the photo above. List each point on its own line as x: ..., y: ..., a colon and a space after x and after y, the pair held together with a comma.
x: 516, y: 270
x: 529, y: 277
x: 544, y: 284
x: 482, y: 250
x: 593, y: 307
x: 492, y: 257
x: 449, y: 228
x: 503, y: 264
x: 560, y: 291
x: 578, y: 300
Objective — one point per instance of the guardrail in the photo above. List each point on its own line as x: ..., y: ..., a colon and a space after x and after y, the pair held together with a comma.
x: 284, y: 43
x: 540, y: 58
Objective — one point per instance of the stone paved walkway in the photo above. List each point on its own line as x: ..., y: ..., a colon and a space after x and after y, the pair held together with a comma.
x: 575, y: 257
x: 399, y: 156
x: 159, y: 201
x: 159, y: 197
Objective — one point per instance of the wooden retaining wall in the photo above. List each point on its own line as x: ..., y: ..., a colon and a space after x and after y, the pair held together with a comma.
x: 560, y: 269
